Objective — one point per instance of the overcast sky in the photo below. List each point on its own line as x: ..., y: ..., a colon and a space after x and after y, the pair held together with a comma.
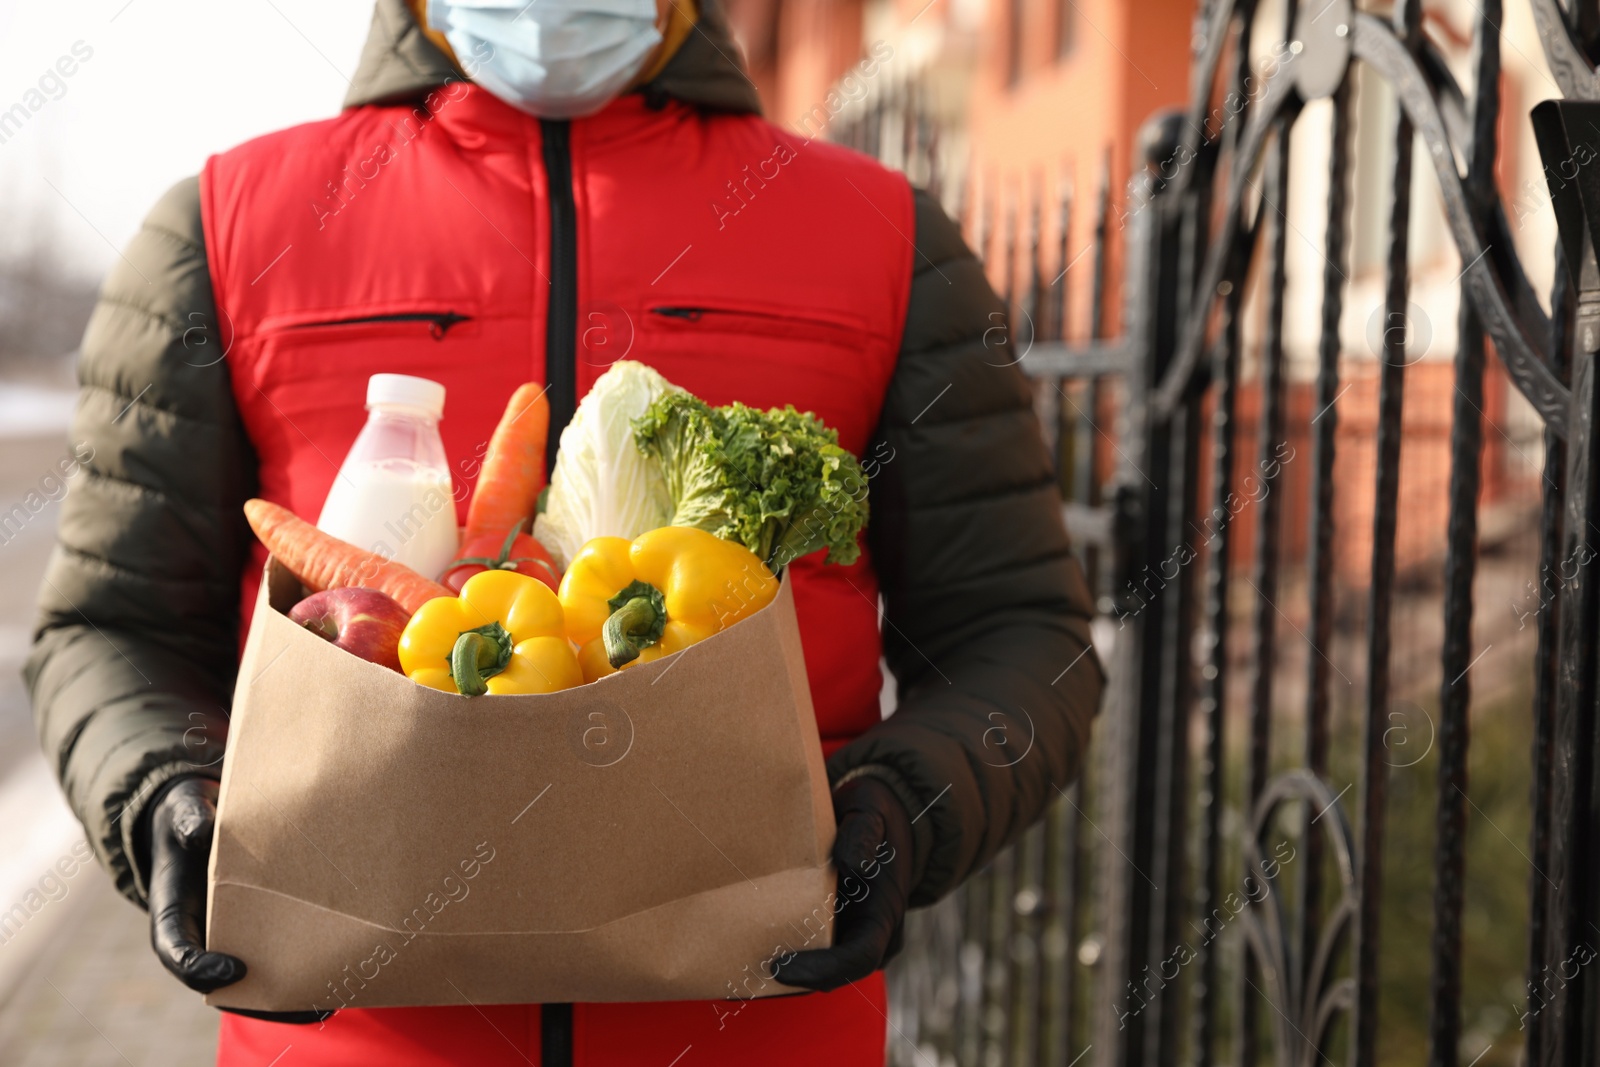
x: 168, y: 83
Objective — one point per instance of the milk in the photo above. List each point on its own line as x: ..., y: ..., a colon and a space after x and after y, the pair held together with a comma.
x: 398, y: 508
x: 392, y: 495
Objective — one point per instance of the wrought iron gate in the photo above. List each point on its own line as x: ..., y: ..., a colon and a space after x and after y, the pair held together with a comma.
x: 1063, y: 948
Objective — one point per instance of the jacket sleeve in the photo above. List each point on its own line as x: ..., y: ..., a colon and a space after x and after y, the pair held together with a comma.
x: 986, y: 613
x: 134, y: 654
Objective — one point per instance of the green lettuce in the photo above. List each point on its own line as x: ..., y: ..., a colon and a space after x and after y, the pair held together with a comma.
x: 776, y: 481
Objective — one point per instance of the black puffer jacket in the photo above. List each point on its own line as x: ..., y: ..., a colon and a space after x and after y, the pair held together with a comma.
x: 985, y: 611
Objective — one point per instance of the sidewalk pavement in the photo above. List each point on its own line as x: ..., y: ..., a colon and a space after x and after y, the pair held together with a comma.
x: 79, y: 986
x: 85, y: 990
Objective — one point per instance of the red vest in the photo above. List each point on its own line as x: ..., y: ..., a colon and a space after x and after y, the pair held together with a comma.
x: 741, y: 261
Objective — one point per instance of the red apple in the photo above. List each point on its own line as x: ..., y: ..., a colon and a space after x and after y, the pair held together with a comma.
x: 363, y: 622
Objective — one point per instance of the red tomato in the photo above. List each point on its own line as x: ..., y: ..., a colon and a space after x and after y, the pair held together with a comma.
x: 519, y: 552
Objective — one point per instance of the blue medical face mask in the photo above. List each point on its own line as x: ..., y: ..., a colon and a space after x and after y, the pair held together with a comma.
x: 556, y: 59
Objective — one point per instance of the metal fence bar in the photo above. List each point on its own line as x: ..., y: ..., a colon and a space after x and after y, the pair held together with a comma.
x: 1126, y: 885
x: 1566, y: 1037
x: 1324, y: 426
x: 1455, y: 693
x: 1171, y: 782
x: 997, y: 970
x: 1269, y: 434
x: 1545, y: 671
x: 1056, y: 941
x: 1059, y: 898
x: 1213, y: 701
x: 1391, y: 385
x: 1088, y: 477
x: 1195, y: 300
x: 969, y: 964
x: 1027, y: 902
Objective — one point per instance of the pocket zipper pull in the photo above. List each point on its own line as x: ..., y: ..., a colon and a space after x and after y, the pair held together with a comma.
x: 687, y: 314
x: 440, y: 324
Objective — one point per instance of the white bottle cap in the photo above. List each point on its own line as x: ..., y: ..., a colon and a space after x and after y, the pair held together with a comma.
x: 407, y: 391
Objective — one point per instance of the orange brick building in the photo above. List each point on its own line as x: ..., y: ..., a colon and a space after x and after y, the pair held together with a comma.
x: 1039, y: 102
x: 1033, y: 96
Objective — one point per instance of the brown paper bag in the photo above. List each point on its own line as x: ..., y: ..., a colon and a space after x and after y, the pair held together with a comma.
x: 658, y: 835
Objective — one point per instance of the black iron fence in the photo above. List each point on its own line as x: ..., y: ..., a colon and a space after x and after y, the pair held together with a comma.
x: 1214, y: 887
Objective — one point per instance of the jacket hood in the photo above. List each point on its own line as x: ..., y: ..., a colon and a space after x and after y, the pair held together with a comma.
x: 399, y: 64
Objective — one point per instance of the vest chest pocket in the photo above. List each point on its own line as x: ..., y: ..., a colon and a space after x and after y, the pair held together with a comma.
x: 318, y: 361
x: 819, y: 360
x: 689, y: 318
x: 301, y: 384
x: 437, y: 323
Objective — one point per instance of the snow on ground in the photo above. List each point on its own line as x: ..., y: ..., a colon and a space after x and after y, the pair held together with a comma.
x: 34, y: 411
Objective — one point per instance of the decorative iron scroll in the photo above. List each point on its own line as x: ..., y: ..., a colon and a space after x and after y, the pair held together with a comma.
x: 1567, y: 64
x: 1526, y: 358
x: 1223, y: 265
x: 1301, y: 989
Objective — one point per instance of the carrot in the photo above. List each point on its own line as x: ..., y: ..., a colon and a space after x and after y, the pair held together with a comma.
x: 322, y: 561
x: 508, y: 487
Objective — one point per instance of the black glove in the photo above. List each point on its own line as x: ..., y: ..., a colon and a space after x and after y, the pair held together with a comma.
x: 873, y: 856
x: 175, y: 837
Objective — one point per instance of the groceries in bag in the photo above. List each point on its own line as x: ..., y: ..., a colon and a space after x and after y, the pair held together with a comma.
x: 363, y: 622
x: 603, y: 486
x: 504, y: 634
x: 775, y: 481
x: 507, y: 495
x: 734, y: 494
x: 640, y: 753
x: 392, y: 494
x: 637, y: 601
x: 322, y: 561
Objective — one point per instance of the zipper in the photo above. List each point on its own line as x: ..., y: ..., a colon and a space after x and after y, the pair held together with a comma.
x: 688, y: 314
x: 749, y: 320
x: 561, y: 388
x: 555, y: 1035
x: 439, y: 322
x: 561, y: 321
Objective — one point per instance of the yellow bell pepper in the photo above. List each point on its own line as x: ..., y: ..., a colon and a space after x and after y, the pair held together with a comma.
x: 503, y: 634
x: 667, y: 589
